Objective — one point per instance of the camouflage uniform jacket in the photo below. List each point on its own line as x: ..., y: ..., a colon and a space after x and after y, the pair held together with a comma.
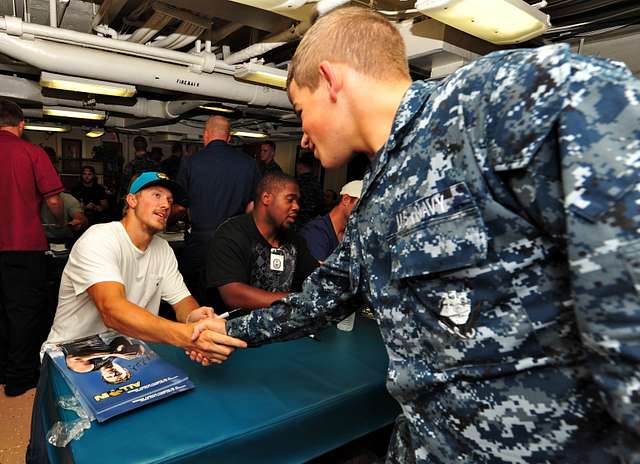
x: 497, y: 243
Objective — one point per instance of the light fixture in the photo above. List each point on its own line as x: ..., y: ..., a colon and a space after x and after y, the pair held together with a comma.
x: 79, y: 113
x: 221, y: 109
x: 95, y: 133
x: 496, y: 21
x: 79, y: 84
x: 260, y: 74
x: 249, y: 134
x: 43, y: 127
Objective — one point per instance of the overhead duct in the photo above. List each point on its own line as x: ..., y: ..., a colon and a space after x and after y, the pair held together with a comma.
x: 24, y: 89
x: 439, y: 49
x: 73, y: 60
x: 205, y: 62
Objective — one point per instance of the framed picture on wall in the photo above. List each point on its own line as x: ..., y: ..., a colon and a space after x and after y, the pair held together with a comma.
x: 71, y: 149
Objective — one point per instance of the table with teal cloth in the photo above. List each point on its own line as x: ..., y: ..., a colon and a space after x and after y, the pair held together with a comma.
x: 282, y: 402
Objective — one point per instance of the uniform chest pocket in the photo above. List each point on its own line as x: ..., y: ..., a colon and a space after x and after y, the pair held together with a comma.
x: 460, y: 310
x: 439, y: 233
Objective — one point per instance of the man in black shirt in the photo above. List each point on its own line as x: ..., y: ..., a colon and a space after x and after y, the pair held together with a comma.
x: 256, y: 259
x: 91, y: 195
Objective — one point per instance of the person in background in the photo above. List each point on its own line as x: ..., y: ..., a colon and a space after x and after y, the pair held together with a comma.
x: 27, y: 180
x: 256, y: 258
x: 75, y: 220
x: 142, y: 162
x: 220, y: 182
x: 330, y: 199
x: 91, y: 195
x: 156, y: 154
x: 311, y: 195
x: 171, y: 165
x: 192, y: 149
x: 324, y: 233
x: 266, y: 156
x: 496, y: 241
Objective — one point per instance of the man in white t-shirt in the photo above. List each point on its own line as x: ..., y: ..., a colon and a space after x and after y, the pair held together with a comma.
x: 118, y: 272
x: 116, y: 275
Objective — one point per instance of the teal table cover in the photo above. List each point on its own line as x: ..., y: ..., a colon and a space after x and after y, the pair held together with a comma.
x: 280, y: 403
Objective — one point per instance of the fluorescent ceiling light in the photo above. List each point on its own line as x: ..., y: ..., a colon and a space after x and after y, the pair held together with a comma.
x: 217, y: 108
x: 254, y: 72
x: 253, y: 135
x: 496, y: 21
x: 62, y: 112
x: 79, y: 84
x: 95, y: 133
x: 45, y: 127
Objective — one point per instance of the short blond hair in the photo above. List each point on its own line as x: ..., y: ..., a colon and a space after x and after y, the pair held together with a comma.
x: 356, y: 36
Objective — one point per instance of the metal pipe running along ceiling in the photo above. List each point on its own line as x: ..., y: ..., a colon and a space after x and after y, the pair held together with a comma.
x: 73, y: 60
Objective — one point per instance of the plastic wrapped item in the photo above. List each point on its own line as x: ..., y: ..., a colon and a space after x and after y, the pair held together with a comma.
x: 61, y: 433
x: 71, y: 403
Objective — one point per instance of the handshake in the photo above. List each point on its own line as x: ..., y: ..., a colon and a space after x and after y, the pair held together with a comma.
x: 210, y: 343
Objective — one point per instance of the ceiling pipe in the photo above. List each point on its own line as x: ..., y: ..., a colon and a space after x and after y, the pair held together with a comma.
x: 205, y: 62
x: 72, y: 60
x: 274, y: 41
x: 53, y: 13
x: 185, y: 34
x: 24, y: 89
x: 152, y: 27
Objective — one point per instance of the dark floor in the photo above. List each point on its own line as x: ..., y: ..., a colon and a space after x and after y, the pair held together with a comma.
x: 370, y: 449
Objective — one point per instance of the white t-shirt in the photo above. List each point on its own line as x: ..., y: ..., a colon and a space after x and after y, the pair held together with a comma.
x: 105, y: 253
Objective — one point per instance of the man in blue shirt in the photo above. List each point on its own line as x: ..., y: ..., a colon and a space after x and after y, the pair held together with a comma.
x: 496, y: 241
x: 325, y: 232
x: 220, y: 182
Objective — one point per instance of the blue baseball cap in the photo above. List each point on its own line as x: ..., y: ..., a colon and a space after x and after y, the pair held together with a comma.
x: 149, y: 179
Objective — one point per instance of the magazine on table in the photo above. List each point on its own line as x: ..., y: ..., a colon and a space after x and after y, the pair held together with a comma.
x: 112, y: 374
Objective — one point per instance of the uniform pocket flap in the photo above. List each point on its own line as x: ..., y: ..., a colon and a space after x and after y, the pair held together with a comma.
x: 439, y: 233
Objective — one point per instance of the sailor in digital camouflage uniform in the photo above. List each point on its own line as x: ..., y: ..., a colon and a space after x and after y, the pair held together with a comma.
x: 496, y: 241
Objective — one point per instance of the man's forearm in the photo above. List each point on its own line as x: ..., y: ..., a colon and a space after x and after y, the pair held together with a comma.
x: 184, y: 307
x: 239, y: 295
x: 134, y: 321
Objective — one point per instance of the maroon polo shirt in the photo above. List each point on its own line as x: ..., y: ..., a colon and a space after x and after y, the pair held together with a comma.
x: 26, y: 177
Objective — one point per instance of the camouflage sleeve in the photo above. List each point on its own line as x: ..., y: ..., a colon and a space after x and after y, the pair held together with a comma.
x: 326, y: 297
x: 599, y: 135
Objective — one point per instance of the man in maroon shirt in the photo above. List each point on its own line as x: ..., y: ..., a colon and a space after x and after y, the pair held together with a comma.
x: 26, y: 178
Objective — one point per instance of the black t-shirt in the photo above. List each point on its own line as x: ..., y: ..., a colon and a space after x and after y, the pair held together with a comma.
x: 92, y: 194
x: 239, y: 253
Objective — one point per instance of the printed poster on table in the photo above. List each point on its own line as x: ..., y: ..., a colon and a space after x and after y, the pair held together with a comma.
x: 112, y: 374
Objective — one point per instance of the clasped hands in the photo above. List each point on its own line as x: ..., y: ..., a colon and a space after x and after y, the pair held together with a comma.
x: 210, y: 342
